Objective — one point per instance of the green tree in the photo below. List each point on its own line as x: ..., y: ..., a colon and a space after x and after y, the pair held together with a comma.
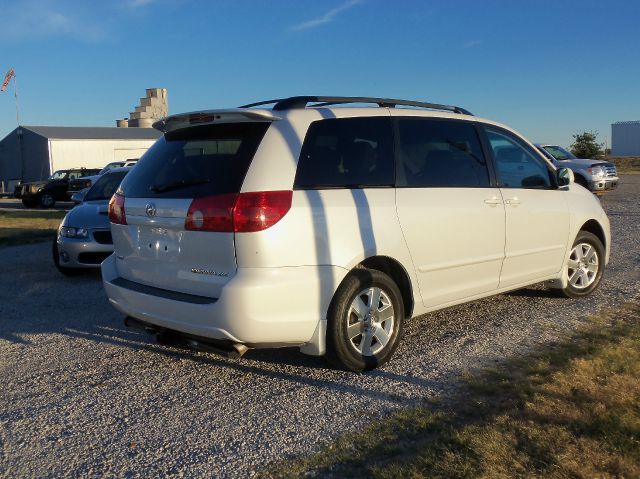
x: 585, y: 145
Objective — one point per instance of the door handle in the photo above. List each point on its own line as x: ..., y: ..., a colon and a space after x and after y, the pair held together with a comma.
x: 512, y: 201
x: 493, y: 201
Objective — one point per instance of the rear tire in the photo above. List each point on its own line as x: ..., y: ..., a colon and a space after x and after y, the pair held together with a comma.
x: 56, y: 261
x: 365, y: 321
x: 585, y: 266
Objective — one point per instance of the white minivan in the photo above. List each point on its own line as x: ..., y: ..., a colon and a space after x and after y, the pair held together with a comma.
x: 323, y: 226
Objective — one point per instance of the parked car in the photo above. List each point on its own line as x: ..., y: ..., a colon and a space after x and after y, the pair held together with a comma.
x: 594, y: 175
x: 322, y: 226
x: 83, y: 182
x: 46, y: 193
x: 84, y: 239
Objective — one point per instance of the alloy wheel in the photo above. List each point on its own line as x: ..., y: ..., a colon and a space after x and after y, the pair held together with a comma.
x: 583, y: 266
x: 370, y: 321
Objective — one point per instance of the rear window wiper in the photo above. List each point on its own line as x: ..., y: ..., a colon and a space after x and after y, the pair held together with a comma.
x: 176, y: 185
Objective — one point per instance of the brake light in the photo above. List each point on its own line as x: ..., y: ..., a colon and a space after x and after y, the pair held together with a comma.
x: 239, y: 213
x: 211, y: 213
x: 116, y: 210
x: 261, y: 210
x: 197, y: 118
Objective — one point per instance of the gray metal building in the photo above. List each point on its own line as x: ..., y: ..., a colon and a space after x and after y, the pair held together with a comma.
x: 625, y: 138
x: 32, y: 153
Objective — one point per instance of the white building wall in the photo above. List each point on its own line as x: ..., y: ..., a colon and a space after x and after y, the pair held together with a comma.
x: 93, y: 153
x: 625, y: 138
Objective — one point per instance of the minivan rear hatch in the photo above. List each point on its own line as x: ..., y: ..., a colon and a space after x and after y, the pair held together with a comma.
x: 155, y: 247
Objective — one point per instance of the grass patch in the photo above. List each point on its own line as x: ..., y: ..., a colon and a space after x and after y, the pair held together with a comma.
x: 569, y: 410
x: 626, y: 164
x: 25, y: 226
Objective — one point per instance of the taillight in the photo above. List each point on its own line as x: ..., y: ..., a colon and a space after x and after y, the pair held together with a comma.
x: 241, y: 213
x: 211, y: 213
x: 116, y: 210
x: 261, y: 210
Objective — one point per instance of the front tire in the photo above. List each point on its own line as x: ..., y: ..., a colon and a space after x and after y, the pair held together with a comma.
x: 365, y: 320
x: 585, y: 266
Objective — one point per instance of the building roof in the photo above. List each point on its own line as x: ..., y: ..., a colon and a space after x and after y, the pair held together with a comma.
x: 633, y: 122
x: 94, y: 133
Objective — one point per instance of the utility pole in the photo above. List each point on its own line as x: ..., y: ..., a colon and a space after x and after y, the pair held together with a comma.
x: 15, y: 93
x: 20, y: 131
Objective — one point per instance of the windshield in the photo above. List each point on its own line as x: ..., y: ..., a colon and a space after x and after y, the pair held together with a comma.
x: 105, y: 187
x: 111, y: 166
x: 559, y: 153
x: 58, y: 175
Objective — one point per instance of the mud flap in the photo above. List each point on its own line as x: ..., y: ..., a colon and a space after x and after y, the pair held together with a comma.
x: 317, y: 345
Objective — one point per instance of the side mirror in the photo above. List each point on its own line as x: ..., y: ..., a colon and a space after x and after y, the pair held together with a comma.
x: 78, y: 197
x: 565, y: 176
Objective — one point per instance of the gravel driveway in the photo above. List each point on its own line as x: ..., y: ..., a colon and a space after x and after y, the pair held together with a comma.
x: 83, y: 396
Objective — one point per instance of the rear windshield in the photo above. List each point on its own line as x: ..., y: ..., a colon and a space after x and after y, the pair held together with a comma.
x: 105, y: 187
x: 111, y: 166
x: 195, y: 162
x: 559, y: 153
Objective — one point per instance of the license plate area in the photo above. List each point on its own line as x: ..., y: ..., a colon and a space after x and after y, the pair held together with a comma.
x: 159, y: 242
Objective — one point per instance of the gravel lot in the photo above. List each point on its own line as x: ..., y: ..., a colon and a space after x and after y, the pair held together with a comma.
x: 83, y: 396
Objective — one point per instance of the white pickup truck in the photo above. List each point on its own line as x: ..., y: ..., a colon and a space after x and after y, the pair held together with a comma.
x: 594, y: 175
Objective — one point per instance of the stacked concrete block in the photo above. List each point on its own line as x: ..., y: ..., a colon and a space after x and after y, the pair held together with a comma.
x: 151, y: 108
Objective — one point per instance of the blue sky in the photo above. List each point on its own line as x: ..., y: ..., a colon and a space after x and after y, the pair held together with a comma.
x: 545, y: 68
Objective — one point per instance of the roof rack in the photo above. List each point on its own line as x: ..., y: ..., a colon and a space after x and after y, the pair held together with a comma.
x: 302, y: 101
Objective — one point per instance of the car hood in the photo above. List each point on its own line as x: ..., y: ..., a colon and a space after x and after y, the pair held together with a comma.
x: 90, y: 214
x: 586, y: 163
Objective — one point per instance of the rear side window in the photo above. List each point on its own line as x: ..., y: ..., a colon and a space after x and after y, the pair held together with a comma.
x: 346, y: 153
x: 440, y: 153
x: 194, y: 162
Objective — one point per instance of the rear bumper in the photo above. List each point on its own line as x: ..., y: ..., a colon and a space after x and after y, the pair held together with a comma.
x: 259, y: 307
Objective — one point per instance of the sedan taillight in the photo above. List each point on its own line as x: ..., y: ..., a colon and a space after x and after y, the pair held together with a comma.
x: 116, y: 210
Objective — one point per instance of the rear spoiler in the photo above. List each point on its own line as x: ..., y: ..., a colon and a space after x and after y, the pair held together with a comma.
x: 207, y: 117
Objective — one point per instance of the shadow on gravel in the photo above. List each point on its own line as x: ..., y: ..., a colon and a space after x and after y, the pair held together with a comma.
x: 286, y: 364
x: 20, y: 322
x: 533, y: 293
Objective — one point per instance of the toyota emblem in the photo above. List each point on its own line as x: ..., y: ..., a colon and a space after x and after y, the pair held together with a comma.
x: 150, y: 209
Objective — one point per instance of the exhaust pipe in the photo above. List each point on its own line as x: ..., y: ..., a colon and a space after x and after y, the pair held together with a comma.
x: 134, y: 323
x: 232, y: 351
x: 169, y: 337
